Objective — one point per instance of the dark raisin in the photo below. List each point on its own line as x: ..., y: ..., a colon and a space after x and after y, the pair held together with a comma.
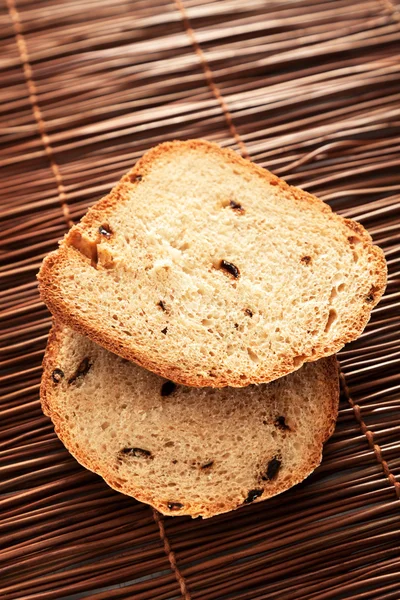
x: 236, y: 206
x: 174, y: 505
x: 230, y: 268
x: 164, y: 331
x: 252, y: 495
x: 236, y: 325
x: 168, y: 388
x: 281, y: 423
x: 306, y: 260
x: 371, y: 296
x: 136, y: 178
x: 57, y: 375
x: 136, y: 452
x: 105, y: 230
x: 174, y: 461
x: 207, y: 465
x: 248, y: 312
x: 81, y: 371
x: 272, y: 469
x: 161, y: 304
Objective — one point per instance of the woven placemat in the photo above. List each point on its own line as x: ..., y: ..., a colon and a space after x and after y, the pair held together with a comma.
x: 309, y: 89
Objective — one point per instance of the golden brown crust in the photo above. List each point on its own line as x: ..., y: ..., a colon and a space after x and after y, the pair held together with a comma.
x: 332, y: 374
x: 49, y: 360
x: 105, y: 337
x: 48, y: 393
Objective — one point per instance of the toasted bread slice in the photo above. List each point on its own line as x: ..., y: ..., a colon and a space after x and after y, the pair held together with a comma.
x: 183, y: 450
x: 210, y: 271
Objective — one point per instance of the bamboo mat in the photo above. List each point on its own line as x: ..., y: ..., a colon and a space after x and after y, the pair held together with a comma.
x: 309, y: 89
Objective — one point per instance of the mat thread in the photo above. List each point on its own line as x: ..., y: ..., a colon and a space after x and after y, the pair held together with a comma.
x: 37, y: 113
x: 370, y: 436
x: 159, y: 519
x: 210, y: 79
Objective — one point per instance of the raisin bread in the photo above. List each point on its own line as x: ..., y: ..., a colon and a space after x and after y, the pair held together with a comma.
x: 210, y: 271
x: 183, y: 450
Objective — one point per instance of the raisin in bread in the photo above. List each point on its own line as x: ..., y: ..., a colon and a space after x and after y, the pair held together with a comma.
x: 186, y: 451
x: 210, y: 271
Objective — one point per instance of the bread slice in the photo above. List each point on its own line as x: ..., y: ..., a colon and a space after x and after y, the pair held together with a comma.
x: 210, y: 271
x: 183, y: 450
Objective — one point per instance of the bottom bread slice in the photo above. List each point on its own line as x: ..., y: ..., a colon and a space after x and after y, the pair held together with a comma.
x: 186, y: 451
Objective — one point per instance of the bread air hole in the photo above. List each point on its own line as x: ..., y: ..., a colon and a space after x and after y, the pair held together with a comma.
x: 253, y: 356
x: 206, y: 322
x: 85, y: 246
x: 83, y: 368
x: 187, y: 269
x: 298, y: 360
x: 353, y: 240
x: 140, y: 453
x: 332, y: 316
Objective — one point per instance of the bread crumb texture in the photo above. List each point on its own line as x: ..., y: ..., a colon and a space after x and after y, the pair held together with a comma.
x: 211, y: 271
x: 186, y: 451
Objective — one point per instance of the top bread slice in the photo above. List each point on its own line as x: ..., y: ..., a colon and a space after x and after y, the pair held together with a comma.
x: 210, y: 271
x: 184, y: 450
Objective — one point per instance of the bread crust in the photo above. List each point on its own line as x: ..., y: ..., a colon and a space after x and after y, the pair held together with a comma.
x: 48, y: 394
x: 58, y: 261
